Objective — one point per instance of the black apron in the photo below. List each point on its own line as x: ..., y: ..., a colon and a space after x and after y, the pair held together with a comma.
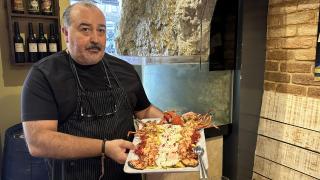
x: 101, y: 114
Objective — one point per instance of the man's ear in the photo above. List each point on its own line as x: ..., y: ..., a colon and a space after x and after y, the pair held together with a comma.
x: 65, y: 32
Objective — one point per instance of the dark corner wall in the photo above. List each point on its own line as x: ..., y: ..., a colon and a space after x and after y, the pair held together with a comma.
x: 239, y: 146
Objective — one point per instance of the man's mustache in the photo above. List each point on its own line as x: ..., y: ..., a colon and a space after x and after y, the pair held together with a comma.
x: 94, y: 46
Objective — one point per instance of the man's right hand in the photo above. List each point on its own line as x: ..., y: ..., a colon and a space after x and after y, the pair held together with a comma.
x: 116, y: 150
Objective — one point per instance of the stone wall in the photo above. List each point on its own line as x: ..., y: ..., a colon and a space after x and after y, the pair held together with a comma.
x: 289, y: 128
x: 164, y: 28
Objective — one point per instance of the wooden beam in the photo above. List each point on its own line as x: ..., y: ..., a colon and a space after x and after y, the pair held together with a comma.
x: 256, y: 176
x: 291, y: 134
x: 291, y: 109
x: 294, y: 157
x: 273, y: 170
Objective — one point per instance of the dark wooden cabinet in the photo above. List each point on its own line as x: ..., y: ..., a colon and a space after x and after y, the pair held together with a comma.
x: 223, y: 36
x: 24, y: 19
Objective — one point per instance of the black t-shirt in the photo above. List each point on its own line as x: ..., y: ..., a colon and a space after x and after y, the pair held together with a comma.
x: 50, y: 89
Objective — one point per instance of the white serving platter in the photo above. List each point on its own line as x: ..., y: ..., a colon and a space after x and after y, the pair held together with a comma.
x: 133, y: 156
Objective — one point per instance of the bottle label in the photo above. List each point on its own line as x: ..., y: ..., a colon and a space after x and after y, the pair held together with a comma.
x: 33, y: 47
x: 42, y: 47
x: 46, y: 6
x: 18, y: 47
x: 18, y: 5
x: 53, y: 47
x: 33, y: 6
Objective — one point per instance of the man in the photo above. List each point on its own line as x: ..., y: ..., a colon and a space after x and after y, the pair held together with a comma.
x: 78, y: 104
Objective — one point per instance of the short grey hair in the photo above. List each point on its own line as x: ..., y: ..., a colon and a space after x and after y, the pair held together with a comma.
x: 67, y: 12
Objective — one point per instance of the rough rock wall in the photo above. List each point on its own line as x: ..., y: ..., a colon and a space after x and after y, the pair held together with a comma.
x: 164, y: 28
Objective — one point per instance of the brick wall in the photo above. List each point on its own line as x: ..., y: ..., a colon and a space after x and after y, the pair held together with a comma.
x: 291, y: 41
x: 288, y: 143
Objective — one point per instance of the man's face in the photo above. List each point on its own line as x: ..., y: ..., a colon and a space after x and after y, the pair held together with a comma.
x: 86, y: 36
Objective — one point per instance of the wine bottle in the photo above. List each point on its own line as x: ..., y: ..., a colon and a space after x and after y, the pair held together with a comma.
x: 53, y: 45
x: 33, y: 6
x: 46, y: 7
x: 32, y: 45
x: 18, y: 45
x: 17, y: 6
x: 56, y: 33
x: 42, y: 43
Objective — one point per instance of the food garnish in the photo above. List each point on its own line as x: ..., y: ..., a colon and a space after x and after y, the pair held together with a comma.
x: 169, y: 143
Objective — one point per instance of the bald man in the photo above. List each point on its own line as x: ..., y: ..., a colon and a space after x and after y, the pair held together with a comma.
x: 79, y: 104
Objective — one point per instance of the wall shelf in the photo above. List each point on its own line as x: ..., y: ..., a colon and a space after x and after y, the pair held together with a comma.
x: 23, y: 19
x: 33, y: 16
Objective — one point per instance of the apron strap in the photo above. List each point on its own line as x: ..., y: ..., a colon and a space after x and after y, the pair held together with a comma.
x: 106, y: 66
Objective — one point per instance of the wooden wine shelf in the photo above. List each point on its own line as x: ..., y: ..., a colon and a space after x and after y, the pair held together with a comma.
x: 34, y: 16
x: 23, y: 19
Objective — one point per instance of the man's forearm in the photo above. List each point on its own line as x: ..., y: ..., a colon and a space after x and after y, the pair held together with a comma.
x: 47, y: 142
x: 64, y: 146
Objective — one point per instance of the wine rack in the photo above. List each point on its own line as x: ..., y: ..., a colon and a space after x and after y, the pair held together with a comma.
x: 23, y: 19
